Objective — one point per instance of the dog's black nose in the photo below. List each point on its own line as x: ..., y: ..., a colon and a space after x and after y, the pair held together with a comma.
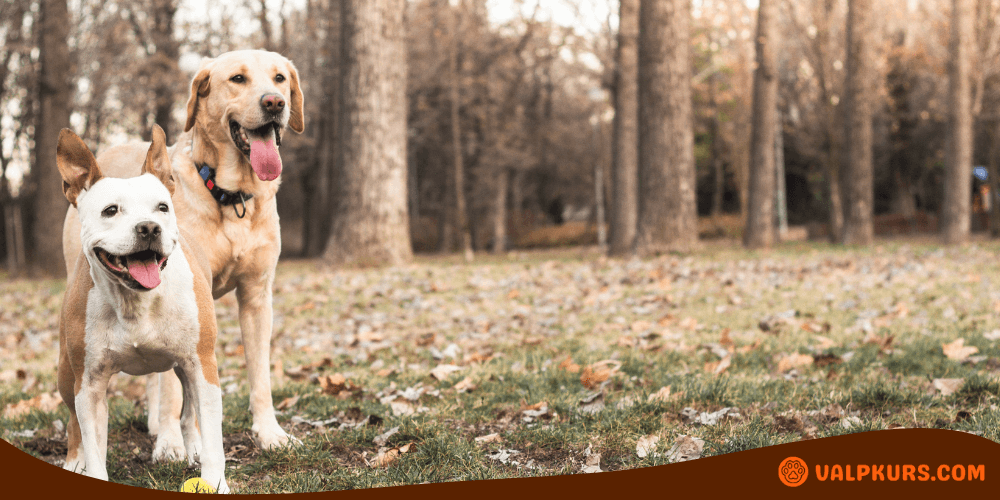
x: 272, y: 103
x: 147, y: 230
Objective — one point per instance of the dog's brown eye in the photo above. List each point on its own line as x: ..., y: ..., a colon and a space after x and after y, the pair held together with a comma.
x: 110, y: 211
x: 238, y: 79
x: 164, y: 208
x: 280, y: 78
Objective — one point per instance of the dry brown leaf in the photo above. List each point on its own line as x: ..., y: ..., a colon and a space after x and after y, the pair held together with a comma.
x: 664, y: 395
x: 958, y: 351
x: 537, y: 406
x: 722, y: 365
x: 669, y: 318
x: 465, y: 385
x: 441, y: 372
x: 789, y: 361
x: 287, y: 403
x: 333, y: 384
x: 625, y: 341
x: 594, y: 375
x: 641, y: 326
x: 646, y: 445
x: 401, y: 408
x: 513, y: 294
x: 46, y: 402
x: 489, y: 438
x: 725, y: 340
x: 384, y: 459
x: 948, y: 386
x: 689, y: 323
x: 426, y: 339
x: 477, y: 358
x: 569, y: 365
x: 821, y: 360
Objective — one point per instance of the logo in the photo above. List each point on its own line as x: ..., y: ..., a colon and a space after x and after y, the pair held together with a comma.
x: 793, y: 471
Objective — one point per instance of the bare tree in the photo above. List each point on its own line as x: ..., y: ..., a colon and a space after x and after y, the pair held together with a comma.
x: 371, y: 224
x: 859, y: 102
x: 55, y: 94
x: 668, y: 219
x: 955, y: 212
x: 454, y: 76
x: 625, y: 142
x: 760, y: 207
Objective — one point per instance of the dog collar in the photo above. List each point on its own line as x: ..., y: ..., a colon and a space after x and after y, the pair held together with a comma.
x: 221, y: 195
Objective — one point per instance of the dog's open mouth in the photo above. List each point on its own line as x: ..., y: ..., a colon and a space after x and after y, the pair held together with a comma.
x: 260, y: 146
x: 139, y: 270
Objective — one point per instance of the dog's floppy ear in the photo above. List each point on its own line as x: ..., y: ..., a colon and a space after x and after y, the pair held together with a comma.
x: 77, y: 165
x: 297, y: 119
x: 158, y: 161
x: 200, y: 87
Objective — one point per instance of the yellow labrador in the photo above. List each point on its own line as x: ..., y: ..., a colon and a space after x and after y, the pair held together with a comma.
x: 226, y: 167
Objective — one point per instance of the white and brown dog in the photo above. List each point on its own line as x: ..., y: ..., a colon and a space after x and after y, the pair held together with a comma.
x: 140, y: 302
x: 227, y: 168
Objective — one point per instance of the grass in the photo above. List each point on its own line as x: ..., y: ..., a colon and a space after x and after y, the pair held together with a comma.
x: 515, y: 319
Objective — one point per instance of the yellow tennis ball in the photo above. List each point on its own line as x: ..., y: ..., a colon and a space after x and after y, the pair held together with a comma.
x: 197, y: 485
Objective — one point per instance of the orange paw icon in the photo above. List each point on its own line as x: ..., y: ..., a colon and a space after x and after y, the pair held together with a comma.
x: 793, y: 471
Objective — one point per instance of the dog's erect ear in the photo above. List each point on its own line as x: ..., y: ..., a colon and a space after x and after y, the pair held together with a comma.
x: 77, y: 165
x: 158, y: 161
x: 199, y: 88
x: 297, y: 119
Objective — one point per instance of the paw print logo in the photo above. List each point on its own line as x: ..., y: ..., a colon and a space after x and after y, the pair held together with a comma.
x: 793, y: 471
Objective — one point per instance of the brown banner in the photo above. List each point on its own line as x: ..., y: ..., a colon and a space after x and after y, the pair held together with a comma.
x: 925, y: 462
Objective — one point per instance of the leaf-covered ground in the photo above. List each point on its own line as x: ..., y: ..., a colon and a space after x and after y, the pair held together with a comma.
x: 561, y: 362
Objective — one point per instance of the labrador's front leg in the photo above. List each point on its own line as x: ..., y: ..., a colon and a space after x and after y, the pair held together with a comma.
x: 255, y: 323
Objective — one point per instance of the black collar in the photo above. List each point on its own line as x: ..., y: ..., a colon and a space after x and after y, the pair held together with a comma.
x: 221, y: 195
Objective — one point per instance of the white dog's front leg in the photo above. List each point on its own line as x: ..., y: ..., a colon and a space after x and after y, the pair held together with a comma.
x: 213, y: 457
x: 170, y: 439
x: 255, y: 324
x: 89, y: 402
x: 189, y: 416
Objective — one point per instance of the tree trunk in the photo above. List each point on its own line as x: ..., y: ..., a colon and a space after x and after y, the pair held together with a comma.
x: 994, y: 177
x: 856, y: 166
x: 625, y: 141
x: 500, y: 212
x: 668, y: 218
x: 955, y: 210
x: 48, y: 206
x: 370, y: 223
x: 718, y: 162
x: 780, y: 198
x: 461, y: 215
x: 320, y: 188
x: 602, y: 235
x: 167, y: 54
x: 833, y: 125
x: 760, y: 207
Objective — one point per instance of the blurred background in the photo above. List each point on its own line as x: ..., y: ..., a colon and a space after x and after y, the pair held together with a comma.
x: 516, y: 101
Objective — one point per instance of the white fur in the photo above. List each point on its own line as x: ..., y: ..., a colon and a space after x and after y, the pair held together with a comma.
x: 141, y: 332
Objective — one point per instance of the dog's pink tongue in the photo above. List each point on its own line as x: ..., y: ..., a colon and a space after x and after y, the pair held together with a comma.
x: 146, y: 272
x: 265, y: 160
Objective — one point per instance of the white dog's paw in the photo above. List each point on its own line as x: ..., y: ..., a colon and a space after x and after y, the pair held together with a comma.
x: 223, y: 488
x: 75, y: 465
x: 169, y: 445
x: 273, y: 436
x: 194, y: 452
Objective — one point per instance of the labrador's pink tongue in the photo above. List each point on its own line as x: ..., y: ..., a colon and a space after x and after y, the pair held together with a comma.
x: 146, y: 272
x: 265, y: 160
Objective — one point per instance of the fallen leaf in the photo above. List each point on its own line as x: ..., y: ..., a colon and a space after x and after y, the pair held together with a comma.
x: 686, y: 448
x: 821, y: 360
x: 596, y: 374
x: 287, y: 403
x: 387, y: 372
x: 332, y: 384
x: 401, y: 408
x: 426, y: 339
x: 489, y: 438
x: 383, y: 438
x: 789, y: 361
x: 534, y: 407
x: 593, y: 403
x: 664, y: 395
x: 385, y: 458
x: 465, y: 385
x: 717, y: 367
x: 724, y: 339
x: 958, y: 351
x: 948, y: 386
x: 46, y: 402
x: 569, y: 365
x: 441, y: 372
x: 646, y: 445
